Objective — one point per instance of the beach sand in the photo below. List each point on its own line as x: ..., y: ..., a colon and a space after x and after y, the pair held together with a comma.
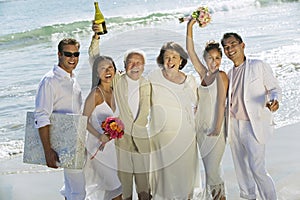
x: 19, y: 181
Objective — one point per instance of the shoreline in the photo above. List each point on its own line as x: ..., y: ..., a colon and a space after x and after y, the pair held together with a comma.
x: 21, y: 181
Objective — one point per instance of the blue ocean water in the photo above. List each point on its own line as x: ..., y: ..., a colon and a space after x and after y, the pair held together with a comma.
x: 31, y: 30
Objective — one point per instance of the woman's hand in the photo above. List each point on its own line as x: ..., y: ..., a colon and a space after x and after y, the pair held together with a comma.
x: 103, y: 138
x: 214, y: 133
x: 192, y: 22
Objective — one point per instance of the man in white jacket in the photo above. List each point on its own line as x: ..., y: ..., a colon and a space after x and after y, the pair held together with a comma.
x: 253, y: 95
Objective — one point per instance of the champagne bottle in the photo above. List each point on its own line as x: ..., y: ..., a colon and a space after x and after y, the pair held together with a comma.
x: 99, y: 19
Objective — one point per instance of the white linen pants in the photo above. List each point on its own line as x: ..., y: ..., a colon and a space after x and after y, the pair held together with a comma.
x: 249, y: 162
x: 74, y: 187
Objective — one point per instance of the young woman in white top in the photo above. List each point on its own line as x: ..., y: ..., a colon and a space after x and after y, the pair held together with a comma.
x: 210, y: 125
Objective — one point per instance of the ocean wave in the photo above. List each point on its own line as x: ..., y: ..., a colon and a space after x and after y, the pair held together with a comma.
x: 116, y: 23
x: 45, y: 33
x: 276, y: 1
x: 40, y: 35
x: 11, y: 148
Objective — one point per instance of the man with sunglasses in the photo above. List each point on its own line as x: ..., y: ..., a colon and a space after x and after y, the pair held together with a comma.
x: 59, y: 92
x: 254, y: 93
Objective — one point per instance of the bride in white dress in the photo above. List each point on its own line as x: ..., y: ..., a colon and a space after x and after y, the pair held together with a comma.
x: 101, y: 176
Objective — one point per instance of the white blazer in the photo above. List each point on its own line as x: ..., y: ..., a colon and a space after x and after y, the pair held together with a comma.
x: 259, y: 87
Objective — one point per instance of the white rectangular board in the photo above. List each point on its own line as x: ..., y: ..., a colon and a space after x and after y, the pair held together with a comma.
x: 67, y: 137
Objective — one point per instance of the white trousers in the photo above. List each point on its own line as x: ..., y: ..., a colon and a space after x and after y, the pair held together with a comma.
x: 249, y: 161
x: 74, y: 187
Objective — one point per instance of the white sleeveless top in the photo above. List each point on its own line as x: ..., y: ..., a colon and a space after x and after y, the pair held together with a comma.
x: 207, y: 108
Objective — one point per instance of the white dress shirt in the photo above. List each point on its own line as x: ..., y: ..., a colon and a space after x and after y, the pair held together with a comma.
x: 58, y: 92
x: 133, y: 95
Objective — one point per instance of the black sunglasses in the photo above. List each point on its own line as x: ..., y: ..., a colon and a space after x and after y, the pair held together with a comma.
x: 70, y: 54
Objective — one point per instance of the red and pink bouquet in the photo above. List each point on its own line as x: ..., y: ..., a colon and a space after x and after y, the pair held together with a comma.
x: 113, y: 127
x: 202, y: 16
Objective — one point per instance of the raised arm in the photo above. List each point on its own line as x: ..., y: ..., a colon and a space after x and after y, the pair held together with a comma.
x: 199, y: 67
x: 222, y: 87
x: 94, y: 49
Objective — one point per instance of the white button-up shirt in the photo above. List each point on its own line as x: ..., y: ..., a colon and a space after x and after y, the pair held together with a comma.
x: 58, y: 92
x: 133, y: 95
